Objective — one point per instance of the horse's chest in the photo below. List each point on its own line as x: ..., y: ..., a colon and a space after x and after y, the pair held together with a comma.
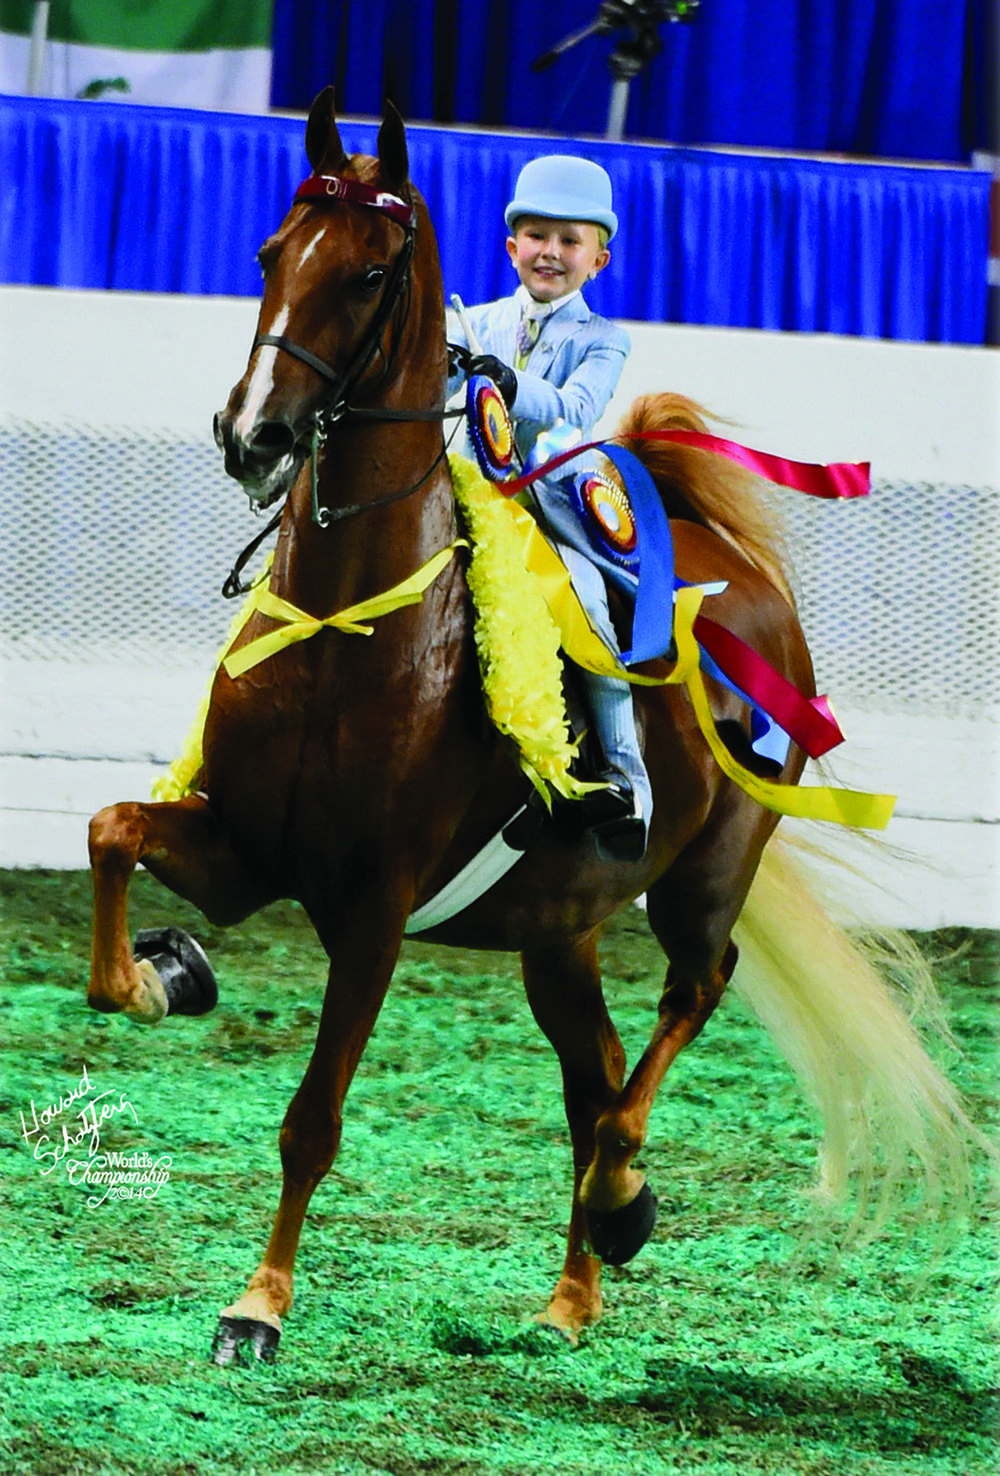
x: 313, y: 722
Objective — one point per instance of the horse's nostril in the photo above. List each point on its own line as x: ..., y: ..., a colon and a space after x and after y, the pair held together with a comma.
x: 271, y: 440
x: 259, y: 454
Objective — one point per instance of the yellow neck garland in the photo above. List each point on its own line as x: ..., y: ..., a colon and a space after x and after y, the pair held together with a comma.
x: 517, y: 640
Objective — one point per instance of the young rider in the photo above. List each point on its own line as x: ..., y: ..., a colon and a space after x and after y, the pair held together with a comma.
x: 554, y: 361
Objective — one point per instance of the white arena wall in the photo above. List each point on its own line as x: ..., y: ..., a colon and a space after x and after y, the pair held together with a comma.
x: 119, y: 526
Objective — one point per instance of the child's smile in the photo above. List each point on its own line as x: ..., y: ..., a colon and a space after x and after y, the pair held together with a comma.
x: 555, y: 257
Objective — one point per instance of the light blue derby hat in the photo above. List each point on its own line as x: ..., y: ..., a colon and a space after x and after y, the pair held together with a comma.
x: 563, y: 187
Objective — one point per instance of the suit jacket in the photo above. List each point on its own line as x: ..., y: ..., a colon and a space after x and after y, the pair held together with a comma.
x: 571, y: 374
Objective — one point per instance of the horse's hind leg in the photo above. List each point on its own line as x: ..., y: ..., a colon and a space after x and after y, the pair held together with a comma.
x: 691, y: 913
x: 184, y: 846
x: 620, y: 1209
x: 563, y: 986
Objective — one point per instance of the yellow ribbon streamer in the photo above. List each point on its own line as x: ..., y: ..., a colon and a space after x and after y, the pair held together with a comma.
x: 299, y: 626
x: 584, y: 646
x: 841, y: 806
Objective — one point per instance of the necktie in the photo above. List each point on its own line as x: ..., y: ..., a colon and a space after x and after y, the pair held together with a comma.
x: 527, y: 336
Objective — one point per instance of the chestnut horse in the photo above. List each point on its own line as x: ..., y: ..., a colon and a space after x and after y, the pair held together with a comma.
x: 360, y: 775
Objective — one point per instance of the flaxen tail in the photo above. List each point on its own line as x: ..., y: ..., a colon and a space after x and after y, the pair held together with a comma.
x: 895, y: 1129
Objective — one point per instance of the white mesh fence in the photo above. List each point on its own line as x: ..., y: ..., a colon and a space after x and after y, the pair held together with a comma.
x: 117, y: 540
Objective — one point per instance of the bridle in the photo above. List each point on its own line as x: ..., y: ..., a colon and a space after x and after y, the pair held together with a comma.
x: 394, y: 303
x: 395, y: 293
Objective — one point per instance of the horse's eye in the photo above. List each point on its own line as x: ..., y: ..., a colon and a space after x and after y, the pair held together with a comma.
x: 372, y: 280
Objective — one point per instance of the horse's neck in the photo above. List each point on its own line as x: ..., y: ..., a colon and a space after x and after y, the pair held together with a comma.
x: 372, y: 549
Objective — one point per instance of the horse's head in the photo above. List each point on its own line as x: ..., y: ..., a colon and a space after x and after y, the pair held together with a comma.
x: 337, y: 286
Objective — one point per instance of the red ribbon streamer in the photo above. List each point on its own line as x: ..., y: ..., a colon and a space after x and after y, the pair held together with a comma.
x: 840, y: 479
x: 808, y: 721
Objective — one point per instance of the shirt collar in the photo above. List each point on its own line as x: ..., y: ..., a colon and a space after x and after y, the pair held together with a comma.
x: 530, y: 308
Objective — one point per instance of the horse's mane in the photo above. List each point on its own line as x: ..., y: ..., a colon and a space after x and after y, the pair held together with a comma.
x: 702, y: 487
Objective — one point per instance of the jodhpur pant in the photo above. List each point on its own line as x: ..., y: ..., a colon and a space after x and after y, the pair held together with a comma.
x: 609, y: 699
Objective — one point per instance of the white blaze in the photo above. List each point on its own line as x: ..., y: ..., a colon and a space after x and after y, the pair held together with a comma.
x: 261, y: 380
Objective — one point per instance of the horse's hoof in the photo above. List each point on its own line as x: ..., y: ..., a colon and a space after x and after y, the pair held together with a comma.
x: 236, y: 1336
x: 616, y: 1237
x: 183, y: 969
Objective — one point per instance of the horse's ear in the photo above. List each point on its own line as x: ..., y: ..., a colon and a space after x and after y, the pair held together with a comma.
x: 323, y: 145
x: 392, y: 154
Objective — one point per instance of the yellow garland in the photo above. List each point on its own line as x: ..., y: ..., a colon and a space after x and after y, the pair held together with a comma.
x: 517, y: 639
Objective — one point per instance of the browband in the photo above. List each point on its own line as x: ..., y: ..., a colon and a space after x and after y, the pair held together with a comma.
x: 332, y: 187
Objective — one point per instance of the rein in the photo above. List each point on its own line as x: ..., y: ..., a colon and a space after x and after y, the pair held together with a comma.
x: 324, y: 516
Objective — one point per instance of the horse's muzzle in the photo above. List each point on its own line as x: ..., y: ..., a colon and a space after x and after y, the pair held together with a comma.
x: 265, y: 462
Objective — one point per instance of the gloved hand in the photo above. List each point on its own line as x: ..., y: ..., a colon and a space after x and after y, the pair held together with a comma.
x: 458, y: 358
x: 502, y: 376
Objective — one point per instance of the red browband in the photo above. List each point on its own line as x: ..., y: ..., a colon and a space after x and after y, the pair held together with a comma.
x: 332, y: 187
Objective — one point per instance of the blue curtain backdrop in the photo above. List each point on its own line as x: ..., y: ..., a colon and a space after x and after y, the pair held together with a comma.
x: 899, y: 79
x: 147, y: 199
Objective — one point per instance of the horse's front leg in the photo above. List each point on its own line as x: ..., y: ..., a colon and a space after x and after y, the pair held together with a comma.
x: 563, y: 986
x: 185, y: 847
x: 362, y: 962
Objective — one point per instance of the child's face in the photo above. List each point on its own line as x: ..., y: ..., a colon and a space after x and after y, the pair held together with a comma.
x: 554, y: 257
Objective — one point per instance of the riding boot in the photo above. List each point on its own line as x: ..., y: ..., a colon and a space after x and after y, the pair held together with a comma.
x: 619, y: 815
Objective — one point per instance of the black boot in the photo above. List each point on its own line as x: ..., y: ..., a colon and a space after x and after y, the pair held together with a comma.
x: 612, y: 817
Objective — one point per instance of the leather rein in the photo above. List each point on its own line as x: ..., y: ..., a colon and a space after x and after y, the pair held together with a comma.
x: 395, y: 301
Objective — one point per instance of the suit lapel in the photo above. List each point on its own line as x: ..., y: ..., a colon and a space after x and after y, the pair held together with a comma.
x: 555, y: 331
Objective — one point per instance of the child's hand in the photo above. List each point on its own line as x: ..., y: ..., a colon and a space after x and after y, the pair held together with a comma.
x: 503, y: 377
x: 458, y: 358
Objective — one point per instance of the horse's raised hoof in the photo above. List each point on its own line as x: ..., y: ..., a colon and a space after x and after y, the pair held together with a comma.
x: 618, y: 1236
x: 182, y: 967
x: 236, y: 1336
